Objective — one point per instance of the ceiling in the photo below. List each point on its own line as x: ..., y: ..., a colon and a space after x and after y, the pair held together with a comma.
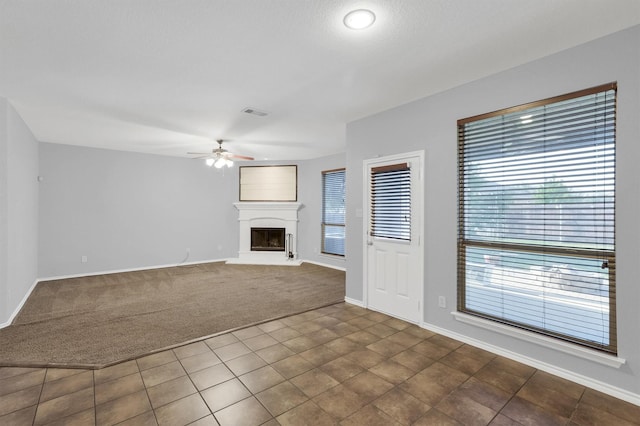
x: 170, y: 76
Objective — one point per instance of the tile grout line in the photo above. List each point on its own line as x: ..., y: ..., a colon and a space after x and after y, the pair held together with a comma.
x: 575, y: 407
x: 198, y: 392
x: 286, y: 380
x: 242, y: 383
x: 146, y: 391
x: 516, y: 394
x: 35, y: 413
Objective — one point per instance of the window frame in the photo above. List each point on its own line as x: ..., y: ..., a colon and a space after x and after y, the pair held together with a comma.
x: 463, y: 243
x: 323, y: 224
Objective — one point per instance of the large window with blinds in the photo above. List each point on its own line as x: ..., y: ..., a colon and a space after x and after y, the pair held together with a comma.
x: 391, y: 202
x: 333, y: 212
x: 536, y: 242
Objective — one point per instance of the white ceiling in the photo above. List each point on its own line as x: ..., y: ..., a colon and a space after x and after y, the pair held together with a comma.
x: 169, y: 76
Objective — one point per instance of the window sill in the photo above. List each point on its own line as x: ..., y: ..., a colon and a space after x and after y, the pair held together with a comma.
x: 332, y: 256
x: 548, y: 342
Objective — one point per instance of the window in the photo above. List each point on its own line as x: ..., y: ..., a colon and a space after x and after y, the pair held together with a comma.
x: 391, y: 202
x: 536, y: 217
x: 333, y: 217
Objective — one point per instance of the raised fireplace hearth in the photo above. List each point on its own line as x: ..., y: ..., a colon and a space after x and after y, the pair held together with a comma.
x: 267, y: 239
x: 267, y: 248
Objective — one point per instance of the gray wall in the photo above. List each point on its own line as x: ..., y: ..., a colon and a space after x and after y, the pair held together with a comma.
x: 125, y: 210
x: 5, y: 307
x: 310, y: 194
x: 430, y: 124
x: 18, y: 210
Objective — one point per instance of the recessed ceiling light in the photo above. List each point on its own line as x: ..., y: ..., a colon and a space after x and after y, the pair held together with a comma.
x: 359, y: 19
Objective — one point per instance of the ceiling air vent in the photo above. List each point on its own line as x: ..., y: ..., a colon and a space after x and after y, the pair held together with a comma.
x: 254, y: 111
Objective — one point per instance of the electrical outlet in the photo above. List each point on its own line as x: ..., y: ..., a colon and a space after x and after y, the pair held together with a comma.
x: 442, y: 302
x: 84, y: 259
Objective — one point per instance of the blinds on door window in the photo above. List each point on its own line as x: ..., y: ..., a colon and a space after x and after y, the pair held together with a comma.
x: 391, y: 202
x: 536, y: 217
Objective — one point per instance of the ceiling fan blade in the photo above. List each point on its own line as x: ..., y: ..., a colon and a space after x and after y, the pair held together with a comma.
x: 199, y: 153
x: 239, y: 157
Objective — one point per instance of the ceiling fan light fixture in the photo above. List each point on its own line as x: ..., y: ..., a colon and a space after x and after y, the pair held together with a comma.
x: 219, y: 157
x: 359, y: 19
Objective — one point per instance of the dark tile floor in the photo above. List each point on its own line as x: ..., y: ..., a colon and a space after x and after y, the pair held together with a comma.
x: 336, y: 365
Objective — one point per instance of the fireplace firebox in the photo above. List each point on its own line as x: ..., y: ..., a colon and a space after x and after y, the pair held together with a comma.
x: 267, y: 239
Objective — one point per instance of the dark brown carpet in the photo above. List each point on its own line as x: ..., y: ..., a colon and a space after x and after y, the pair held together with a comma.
x: 95, y: 321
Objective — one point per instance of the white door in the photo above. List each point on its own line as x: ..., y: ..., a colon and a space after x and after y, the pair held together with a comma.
x: 393, y: 247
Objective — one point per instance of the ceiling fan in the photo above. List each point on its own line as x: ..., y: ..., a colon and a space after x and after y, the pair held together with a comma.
x: 219, y: 157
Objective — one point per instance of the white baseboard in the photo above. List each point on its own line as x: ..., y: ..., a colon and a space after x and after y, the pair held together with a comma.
x: 118, y: 271
x: 354, y: 302
x: 540, y: 365
x: 326, y: 265
x: 279, y: 262
x: 20, y: 305
x: 171, y: 265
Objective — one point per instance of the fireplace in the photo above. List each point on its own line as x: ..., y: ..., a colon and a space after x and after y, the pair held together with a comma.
x: 267, y: 239
x: 276, y: 241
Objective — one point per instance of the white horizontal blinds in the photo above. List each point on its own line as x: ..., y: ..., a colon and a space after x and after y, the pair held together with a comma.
x: 333, y: 212
x: 536, y: 224
x: 391, y: 202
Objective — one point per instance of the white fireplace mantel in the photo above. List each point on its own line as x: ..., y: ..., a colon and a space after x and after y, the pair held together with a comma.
x: 267, y: 215
x: 251, y: 206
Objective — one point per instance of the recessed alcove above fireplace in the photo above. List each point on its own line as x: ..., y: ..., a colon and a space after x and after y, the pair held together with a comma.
x: 268, y: 215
